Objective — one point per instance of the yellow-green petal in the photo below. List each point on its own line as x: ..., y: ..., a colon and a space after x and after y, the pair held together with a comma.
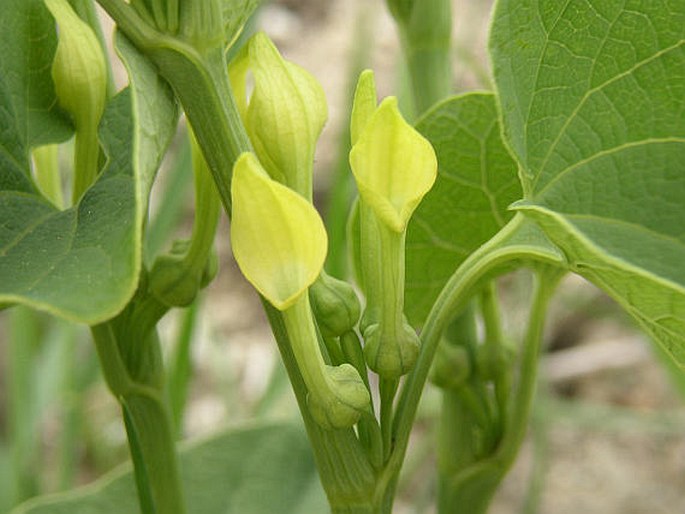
x: 277, y: 236
x: 79, y: 69
x: 364, y: 105
x: 237, y: 75
x: 285, y: 116
x: 394, y: 166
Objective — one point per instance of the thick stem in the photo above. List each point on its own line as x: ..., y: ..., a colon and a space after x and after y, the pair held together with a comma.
x: 349, y: 485
x: 148, y: 423
x: 204, y: 91
x: 426, y: 42
x: 207, y: 208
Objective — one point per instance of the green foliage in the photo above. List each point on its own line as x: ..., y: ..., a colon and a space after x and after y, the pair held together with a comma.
x: 468, y: 203
x: 592, y: 106
x: 81, y: 263
x: 256, y: 470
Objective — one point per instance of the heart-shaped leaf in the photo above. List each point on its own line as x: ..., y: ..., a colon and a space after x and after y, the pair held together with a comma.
x: 81, y: 263
x: 258, y: 470
x: 468, y: 203
x: 592, y: 95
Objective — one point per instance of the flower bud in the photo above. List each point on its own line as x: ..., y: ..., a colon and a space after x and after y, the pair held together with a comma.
x: 174, y: 281
x: 389, y: 351
x: 347, y: 401
x: 451, y: 366
x: 335, y: 305
x: 394, y: 166
x: 79, y: 69
x: 285, y: 114
x: 492, y: 360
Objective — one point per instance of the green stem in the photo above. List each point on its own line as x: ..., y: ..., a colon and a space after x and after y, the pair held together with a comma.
x: 299, y: 323
x: 200, y: 80
x: 202, y: 85
x: 22, y: 424
x: 387, y: 390
x: 148, y: 422
x: 426, y: 42
x: 546, y: 281
x: 349, y: 485
x: 86, y: 155
x: 180, y: 369
x: 340, y: 194
x: 503, y: 248
x: 491, y: 315
x: 207, y: 208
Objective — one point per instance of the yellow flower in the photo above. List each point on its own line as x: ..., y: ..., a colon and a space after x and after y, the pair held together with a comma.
x: 394, y: 166
x: 278, y: 238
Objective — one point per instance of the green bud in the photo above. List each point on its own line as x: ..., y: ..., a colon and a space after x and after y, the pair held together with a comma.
x: 336, y: 395
x: 335, y: 305
x: 348, y: 401
x: 492, y: 360
x: 172, y: 279
x: 79, y: 69
x: 391, y: 352
x: 171, y: 283
x: 451, y: 366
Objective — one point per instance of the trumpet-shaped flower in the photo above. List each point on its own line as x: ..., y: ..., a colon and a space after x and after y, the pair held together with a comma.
x: 278, y: 238
x: 285, y: 114
x: 279, y: 243
x: 394, y: 166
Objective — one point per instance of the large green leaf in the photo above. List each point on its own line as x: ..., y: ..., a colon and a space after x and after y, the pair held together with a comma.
x: 476, y: 183
x: 260, y: 470
x: 592, y: 97
x: 81, y: 263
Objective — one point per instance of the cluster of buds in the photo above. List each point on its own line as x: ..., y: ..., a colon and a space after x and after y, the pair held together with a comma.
x: 280, y: 242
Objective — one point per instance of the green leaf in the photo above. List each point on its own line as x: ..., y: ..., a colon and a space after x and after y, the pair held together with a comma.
x: 258, y: 470
x: 593, y: 104
x: 81, y: 263
x: 468, y: 204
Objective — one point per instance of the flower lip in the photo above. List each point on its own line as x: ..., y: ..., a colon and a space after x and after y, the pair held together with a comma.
x: 394, y: 166
x: 278, y: 238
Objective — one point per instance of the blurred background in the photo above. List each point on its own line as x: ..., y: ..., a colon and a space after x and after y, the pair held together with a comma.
x: 607, y: 433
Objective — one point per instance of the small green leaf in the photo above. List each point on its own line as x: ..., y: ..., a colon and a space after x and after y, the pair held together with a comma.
x: 593, y: 100
x: 81, y: 263
x: 468, y: 204
x: 254, y: 470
